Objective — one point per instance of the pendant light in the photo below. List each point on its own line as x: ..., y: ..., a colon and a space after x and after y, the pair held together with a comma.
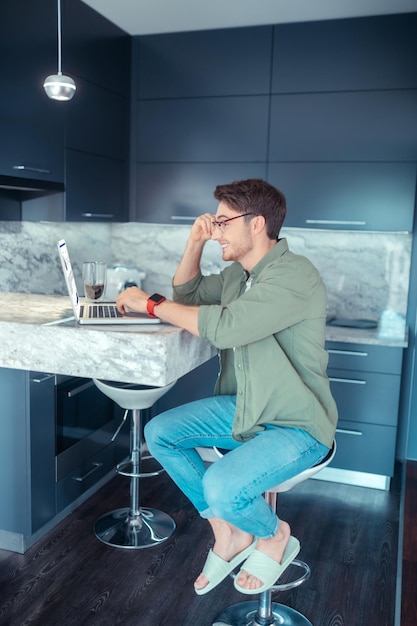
x: 58, y: 86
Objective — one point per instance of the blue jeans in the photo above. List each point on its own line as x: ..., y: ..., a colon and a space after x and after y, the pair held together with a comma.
x: 232, y: 487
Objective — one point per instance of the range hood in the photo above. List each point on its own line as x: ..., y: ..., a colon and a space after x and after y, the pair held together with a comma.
x: 25, y: 188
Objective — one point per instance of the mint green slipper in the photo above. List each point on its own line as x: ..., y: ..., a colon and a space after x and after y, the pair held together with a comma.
x: 267, y: 569
x: 216, y: 569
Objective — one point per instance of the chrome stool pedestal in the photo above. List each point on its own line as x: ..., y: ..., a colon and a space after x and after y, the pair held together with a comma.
x: 134, y: 527
x: 264, y: 612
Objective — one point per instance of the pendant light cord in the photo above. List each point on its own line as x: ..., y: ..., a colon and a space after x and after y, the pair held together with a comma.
x: 59, y: 36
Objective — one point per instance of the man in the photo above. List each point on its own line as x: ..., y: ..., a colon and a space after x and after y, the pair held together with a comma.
x: 272, y: 408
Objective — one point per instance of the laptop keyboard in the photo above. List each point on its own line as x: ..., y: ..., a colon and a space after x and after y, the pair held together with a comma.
x: 102, y: 311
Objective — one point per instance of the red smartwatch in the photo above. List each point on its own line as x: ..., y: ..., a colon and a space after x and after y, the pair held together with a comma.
x: 153, y: 301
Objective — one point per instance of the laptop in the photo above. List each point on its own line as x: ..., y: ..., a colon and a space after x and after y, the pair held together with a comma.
x: 95, y: 312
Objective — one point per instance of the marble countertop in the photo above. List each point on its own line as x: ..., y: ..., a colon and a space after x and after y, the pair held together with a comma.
x: 384, y: 335
x: 36, y: 334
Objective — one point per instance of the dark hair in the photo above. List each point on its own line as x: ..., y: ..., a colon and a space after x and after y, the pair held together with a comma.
x: 255, y: 196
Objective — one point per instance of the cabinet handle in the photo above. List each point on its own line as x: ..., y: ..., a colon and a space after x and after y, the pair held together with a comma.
x: 102, y: 215
x: 27, y: 168
x: 348, y: 381
x: 348, y: 352
x: 338, y: 222
x: 80, y: 389
x: 42, y: 380
x: 184, y: 218
x: 95, y: 467
x: 344, y: 431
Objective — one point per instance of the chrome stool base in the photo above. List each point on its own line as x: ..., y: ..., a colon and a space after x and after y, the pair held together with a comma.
x: 121, y: 529
x: 264, y: 612
x: 245, y: 614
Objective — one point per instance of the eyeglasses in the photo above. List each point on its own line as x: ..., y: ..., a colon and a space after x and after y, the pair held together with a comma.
x: 222, y: 225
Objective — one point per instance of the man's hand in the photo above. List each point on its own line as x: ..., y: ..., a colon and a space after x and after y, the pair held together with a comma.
x: 202, y: 228
x: 133, y: 299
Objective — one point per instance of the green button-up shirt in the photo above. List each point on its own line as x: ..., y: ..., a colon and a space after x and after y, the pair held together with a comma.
x: 271, y: 342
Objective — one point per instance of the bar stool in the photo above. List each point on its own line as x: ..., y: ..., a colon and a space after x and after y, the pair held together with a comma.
x: 134, y: 526
x: 264, y: 612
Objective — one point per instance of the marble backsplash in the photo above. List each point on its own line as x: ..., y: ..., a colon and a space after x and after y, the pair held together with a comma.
x: 365, y: 273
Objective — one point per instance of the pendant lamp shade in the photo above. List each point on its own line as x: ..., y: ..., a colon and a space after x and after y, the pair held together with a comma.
x: 58, y: 86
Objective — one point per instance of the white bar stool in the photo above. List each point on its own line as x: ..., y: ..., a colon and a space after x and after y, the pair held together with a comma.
x: 264, y: 612
x: 135, y: 526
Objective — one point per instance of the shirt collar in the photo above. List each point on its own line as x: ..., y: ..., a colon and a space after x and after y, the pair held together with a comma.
x: 280, y: 248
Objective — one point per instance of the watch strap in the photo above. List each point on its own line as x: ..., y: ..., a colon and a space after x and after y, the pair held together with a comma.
x: 152, y: 302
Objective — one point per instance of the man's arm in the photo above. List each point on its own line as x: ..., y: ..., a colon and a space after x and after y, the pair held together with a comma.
x: 189, y: 266
x: 135, y: 299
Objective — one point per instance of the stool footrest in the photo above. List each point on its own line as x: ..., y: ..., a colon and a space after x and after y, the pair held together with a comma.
x: 148, y: 463
x: 296, y: 582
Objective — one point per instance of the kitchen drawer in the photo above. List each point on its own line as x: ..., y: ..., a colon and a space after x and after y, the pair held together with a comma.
x: 85, y: 476
x: 364, y: 357
x: 366, y: 396
x: 365, y: 448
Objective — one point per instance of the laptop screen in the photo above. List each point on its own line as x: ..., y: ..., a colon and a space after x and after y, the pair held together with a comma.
x: 69, y: 276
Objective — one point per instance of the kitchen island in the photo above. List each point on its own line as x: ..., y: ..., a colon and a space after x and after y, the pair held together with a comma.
x: 38, y: 332
x: 40, y: 342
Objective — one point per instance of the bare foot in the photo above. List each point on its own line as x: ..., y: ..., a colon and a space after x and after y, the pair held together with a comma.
x: 228, y: 542
x: 274, y: 548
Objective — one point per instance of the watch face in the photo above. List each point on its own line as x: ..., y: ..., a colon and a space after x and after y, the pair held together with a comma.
x: 156, y: 297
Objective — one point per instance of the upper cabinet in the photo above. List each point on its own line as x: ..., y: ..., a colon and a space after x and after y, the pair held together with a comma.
x: 347, y: 196
x: 343, y: 133
x: 50, y: 141
x: 201, y: 117
x: 31, y: 125
x: 370, y: 53
x: 97, y: 56
x: 326, y: 109
x: 228, y: 62
x: 344, y: 126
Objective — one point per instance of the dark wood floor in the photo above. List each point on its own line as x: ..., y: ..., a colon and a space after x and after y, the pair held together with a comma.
x: 349, y: 536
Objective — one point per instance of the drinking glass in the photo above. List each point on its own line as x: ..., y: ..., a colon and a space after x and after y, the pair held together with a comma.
x: 94, y: 279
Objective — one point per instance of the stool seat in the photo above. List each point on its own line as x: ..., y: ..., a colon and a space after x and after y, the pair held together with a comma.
x: 131, y: 396
x: 265, y: 612
x: 134, y: 526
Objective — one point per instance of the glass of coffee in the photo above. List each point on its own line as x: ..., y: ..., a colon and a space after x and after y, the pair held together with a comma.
x: 94, y: 279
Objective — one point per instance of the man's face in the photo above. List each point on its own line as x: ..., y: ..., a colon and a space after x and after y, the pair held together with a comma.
x: 234, y: 236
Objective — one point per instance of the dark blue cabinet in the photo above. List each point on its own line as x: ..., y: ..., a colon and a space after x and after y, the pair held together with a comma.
x: 177, y: 193
x: 97, y: 188
x: 27, y: 451
x: 365, y: 382
x: 203, y: 129
x: 327, y: 109
x: 350, y: 126
x: 95, y: 50
x: 97, y: 55
x: 97, y: 121
x: 31, y: 125
x: 204, y: 63
x: 346, y: 55
x: 202, y: 117
x: 352, y: 196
